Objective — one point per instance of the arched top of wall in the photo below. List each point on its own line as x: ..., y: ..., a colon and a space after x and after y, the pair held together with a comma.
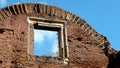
x: 52, y: 11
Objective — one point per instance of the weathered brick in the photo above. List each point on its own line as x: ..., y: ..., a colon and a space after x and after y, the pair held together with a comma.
x: 82, y: 23
x: 52, y: 11
x: 18, y: 8
x: 91, y: 32
x: 83, y: 40
x: 48, y: 11
x: 63, y: 13
x: 88, y: 29
x: 28, y: 7
x: 85, y: 26
x: 68, y: 15
x: 6, y: 10
x: 3, y: 14
x: 41, y: 8
x: 56, y: 12
x: 77, y: 19
x: 44, y: 9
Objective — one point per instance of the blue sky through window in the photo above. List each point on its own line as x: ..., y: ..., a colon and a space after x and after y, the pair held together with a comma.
x: 46, y: 43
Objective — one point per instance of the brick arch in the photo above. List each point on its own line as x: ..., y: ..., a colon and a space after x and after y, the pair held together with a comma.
x: 52, y: 11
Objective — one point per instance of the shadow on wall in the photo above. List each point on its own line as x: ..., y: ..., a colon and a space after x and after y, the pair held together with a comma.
x: 114, y: 60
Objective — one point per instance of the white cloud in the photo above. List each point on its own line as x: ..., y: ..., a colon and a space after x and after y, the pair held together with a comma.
x: 3, y: 3
x: 43, y: 2
x: 41, y: 35
x: 16, y: 3
x: 55, y: 47
x: 38, y: 36
x: 50, y: 34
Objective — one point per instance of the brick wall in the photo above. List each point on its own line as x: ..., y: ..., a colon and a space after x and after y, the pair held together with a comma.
x: 85, y: 44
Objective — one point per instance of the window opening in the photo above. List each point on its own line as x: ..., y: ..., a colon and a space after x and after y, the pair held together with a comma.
x: 46, y: 43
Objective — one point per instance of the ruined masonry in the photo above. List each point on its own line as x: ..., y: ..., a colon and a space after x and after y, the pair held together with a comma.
x: 79, y: 44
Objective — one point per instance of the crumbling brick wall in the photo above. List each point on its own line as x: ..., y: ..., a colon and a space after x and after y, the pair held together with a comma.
x: 84, y: 43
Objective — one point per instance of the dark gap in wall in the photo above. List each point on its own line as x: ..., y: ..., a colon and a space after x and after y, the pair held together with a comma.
x: 23, y: 8
x: 5, y: 12
x: 18, y: 50
x: 50, y: 11
x: 100, y: 46
x: 22, y: 32
x: 69, y: 40
x: 79, y: 38
x: 20, y: 8
x: 114, y: 60
x: 1, y: 31
x: 81, y: 24
x: 13, y: 62
x: 12, y: 11
x: 38, y: 8
x: 45, y: 27
x: 77, y: 18
x: 1, y: 61
x: 78, y: 46
x: 16, y: 9
x: 7, y: 9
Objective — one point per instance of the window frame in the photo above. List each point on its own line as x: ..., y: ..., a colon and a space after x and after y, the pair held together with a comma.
x: 48, y: 24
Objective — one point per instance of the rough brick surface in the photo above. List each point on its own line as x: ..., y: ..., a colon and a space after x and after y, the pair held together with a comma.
x: 87, y: 48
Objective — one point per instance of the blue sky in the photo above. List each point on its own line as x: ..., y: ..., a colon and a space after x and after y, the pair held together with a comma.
x: 103, y: 15
x: 45, y: 43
